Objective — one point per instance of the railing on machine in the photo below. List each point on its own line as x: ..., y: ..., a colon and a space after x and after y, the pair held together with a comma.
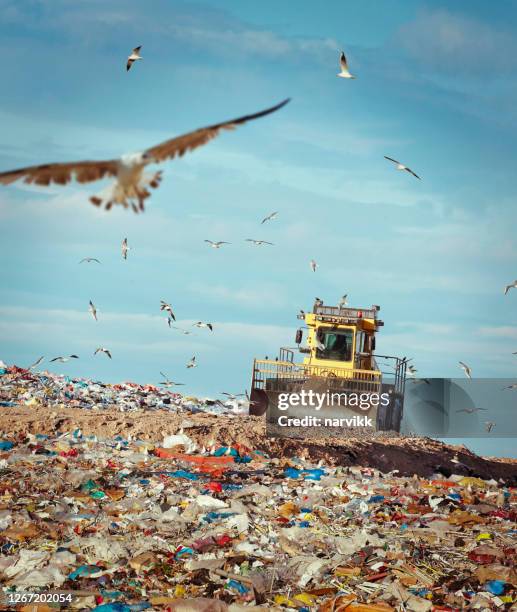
x: 398, y: 372
x: 279, y: 374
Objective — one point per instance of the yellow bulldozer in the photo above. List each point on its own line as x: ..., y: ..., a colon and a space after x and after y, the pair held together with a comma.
x: 339, y: 360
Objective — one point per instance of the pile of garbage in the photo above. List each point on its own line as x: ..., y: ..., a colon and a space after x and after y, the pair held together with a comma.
x: 187, y: 522
x: 22, y: 386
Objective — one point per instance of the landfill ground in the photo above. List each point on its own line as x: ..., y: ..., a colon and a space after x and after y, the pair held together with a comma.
x: 128, y: 497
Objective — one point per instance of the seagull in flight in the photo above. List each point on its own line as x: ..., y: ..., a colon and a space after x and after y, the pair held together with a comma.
x: 232, y: 396
x: 466, y: 369
x: 402, y: 167
x: 270, y: 217
x: 101, y: 349
x: 258, y: 242
x: 124, y: 248
x: 36, y: 363
x: 513, y: 386
x: 131, y: 184
x: 192, y: 363
x: 183, y: 331
x: 201, y: 324
x: 134, y: 57
x: 510, y: 286
x: 64, y: 359
x: 216, y: 245
x: 168, y: 309
x: 89, y: 260
x: 489, y: 425
x: 470, y: 410
x: 343, y: 301
x: 314, y: 265
x: 345, y: 73
x: 170, y: 383
x: 93, y: 310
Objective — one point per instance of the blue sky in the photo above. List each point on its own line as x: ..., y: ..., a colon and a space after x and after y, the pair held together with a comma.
x: 435, y: 88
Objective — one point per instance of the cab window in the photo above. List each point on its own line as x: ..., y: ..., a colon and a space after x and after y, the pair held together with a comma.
x: 338, y: 345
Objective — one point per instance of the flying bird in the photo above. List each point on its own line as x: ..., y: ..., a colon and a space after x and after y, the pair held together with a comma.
x: 216, y: 245
x: 36, y: 363
x: 345, y: 73
x: 183, y: 331
x: 101, y: 349
x: 489, y: 425
x: 192, y: 363
x: 232, y: 396
x: 471, y: 410
x: 93, y: 310
x: 132, y: 183
x: 168, y: 310
x: 510, y: 286
x: 201, y: 324
x: 314, y: 265
x: 402, y: 167
x: 343, y: 301
x: 270, y: 217
x: 124, y: 248
x: 258, y: 242
x: 134, y: 57
x: 170, y: 383
x: 466, y: 369
x: 64, y: 359
x: 513, y: 386
x: 89, y: 260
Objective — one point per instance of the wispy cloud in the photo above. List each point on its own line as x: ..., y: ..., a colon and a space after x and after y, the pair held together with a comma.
x: 453, y: 43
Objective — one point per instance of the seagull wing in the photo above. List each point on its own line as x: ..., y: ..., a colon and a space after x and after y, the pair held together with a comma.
x: 413, y: 173
x: 108, y: 354
x: 136, y: 50
x: 342, y: 61
x: 188, y: 142
x: 391, y: 159
x: 61, y: 173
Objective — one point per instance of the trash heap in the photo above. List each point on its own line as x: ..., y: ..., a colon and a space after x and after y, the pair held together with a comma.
x: 124, y: 524
x: 21, y: 386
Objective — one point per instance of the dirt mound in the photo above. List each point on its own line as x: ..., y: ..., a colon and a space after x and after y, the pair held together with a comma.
x: 421, y: 456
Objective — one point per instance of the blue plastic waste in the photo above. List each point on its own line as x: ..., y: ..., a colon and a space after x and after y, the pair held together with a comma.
x: 496, y: 587
x: 6, y: 445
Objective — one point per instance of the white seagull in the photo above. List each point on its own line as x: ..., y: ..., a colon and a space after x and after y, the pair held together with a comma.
x: 192, y: 363
x: 216, y: 245
x: 131, y: 184
x: 345, y: 73
x: 64, y: 359
x: 170, y: 383
x: 402, y: 167
x: 343, y: 301
x: 489, y: 425
x: 183, y: 331
x: 471, y: 410
x: 101, y: 349
x: 258, y: 242
x: 510, y: 286
x: 512, y: 386
x: 270, y: 217
x: 89, y: 260
x: 167, y: 308
x: 314, y: 265
x: 201, y: 324
x: 36, y: 363
x: 124, y: 248
x: 466, y: 369
x: 93, y: 310
x: 134, y: 57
